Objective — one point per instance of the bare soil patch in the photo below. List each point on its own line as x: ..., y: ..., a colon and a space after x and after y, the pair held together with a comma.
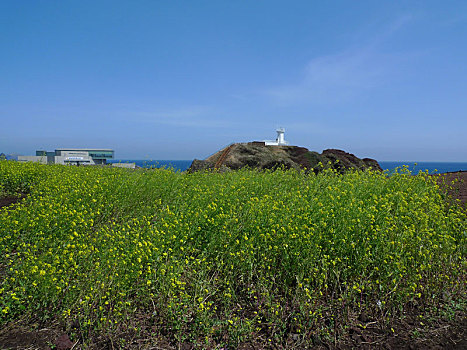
x: 407, y: 333
x: 9, y: 200
x: 21, y: 337
x: 455, y: 185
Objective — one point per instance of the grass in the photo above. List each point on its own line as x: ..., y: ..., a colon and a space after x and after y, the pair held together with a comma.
x: 219, y: 259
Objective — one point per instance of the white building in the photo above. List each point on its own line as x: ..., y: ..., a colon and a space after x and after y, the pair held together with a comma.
x: 72, y: 156
x: 280, y: 140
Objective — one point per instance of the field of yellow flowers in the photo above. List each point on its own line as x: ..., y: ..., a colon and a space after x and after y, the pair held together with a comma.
x: 214, y: 258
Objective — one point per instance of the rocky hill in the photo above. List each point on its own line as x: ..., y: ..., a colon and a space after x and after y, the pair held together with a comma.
x: 258, y: 155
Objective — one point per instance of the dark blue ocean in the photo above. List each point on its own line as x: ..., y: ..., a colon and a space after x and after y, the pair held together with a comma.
x: 432, y: 167
x: 177, y: 165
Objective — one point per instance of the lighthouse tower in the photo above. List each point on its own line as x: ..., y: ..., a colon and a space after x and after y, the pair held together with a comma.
x: 280, y: 140
x: 280, y: 137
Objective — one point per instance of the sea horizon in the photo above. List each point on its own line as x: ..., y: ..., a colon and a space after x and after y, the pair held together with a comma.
x: 413, y: 166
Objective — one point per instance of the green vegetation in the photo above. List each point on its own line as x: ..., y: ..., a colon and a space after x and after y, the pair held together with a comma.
x: 215, y: 258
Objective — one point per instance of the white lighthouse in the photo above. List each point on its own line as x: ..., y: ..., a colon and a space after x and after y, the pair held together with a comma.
x: 280, y: 140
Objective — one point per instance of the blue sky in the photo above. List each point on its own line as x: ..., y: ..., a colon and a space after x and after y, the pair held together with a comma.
x: 181, y: 79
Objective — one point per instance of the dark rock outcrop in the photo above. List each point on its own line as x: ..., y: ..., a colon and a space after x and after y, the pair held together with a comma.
x: 259, y: 156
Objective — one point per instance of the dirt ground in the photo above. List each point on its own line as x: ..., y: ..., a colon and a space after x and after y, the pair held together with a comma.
x: 6, y: 201
x: 457, y: 185
x: 408, y: 332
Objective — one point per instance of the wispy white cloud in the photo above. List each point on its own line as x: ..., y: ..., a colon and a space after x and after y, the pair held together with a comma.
x: 335, y: 77
x: 345, y: 75
x: 394, y: 26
